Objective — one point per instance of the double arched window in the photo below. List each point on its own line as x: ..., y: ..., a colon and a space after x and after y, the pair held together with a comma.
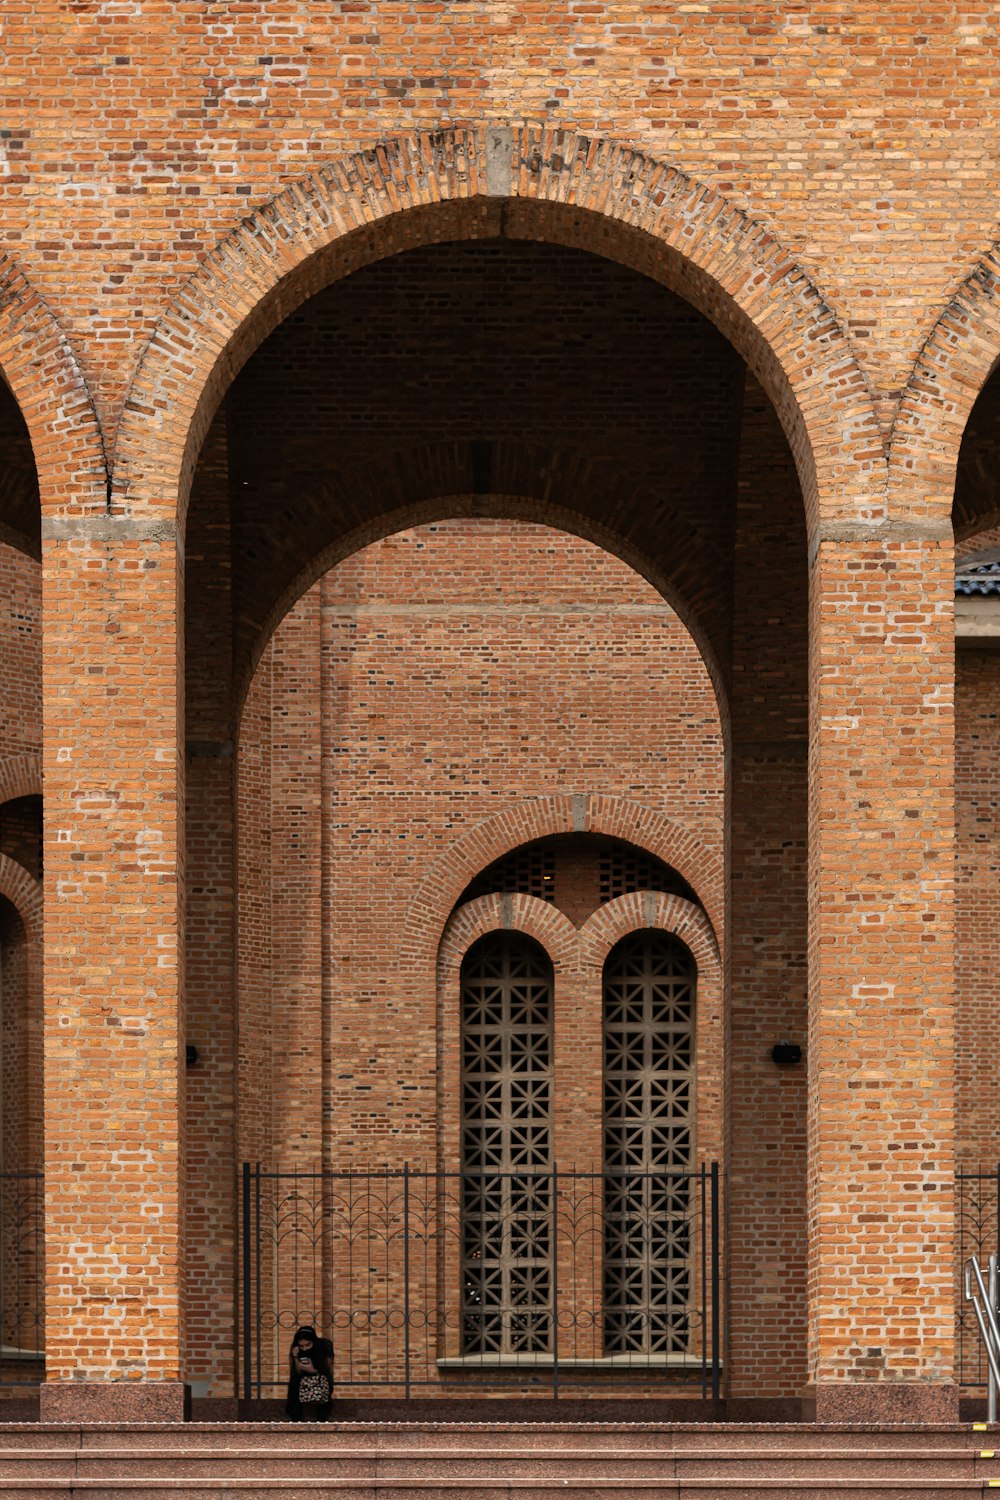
x: 510, y: 1216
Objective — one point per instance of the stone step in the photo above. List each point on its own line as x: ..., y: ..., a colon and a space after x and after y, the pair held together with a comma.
x: 499, y: 1463
x: 472, y: 1437
x: 352, y: 1461
x: 706, y: 1488
x: 250, y: 1470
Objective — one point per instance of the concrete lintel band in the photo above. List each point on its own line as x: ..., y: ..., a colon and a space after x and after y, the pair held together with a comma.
x: 927, y: 529
x: 105, y: 528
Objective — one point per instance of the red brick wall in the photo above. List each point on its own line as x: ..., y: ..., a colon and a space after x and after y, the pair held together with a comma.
x: 767, y: 918
x: 256, y: 938
x: 427, y: 683
x: 209, y: 119
x: 430, y: 682
x: 373, y: 398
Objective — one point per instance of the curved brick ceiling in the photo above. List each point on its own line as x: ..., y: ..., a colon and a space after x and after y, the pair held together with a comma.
x: 481, y: 368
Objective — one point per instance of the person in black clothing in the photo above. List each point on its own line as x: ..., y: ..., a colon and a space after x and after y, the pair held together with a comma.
x: 310, y: 1377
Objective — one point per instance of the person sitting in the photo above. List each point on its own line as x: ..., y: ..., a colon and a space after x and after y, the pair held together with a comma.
x: 310, y: 1376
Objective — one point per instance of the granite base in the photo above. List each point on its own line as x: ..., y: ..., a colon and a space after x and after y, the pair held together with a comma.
x: 71, y: 1401
x: 880, y: 1402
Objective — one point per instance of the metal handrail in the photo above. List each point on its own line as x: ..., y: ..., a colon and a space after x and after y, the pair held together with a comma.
x: 984, y: 1303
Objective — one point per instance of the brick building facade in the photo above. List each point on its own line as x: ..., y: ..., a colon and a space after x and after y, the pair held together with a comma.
x: 334, y: 337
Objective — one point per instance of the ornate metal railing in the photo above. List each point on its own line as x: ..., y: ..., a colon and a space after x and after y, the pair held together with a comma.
x: 977, y: 1235
x: 443, y: 1283
x: 22, y: 1278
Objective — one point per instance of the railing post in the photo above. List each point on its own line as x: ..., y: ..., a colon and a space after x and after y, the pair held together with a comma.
x: 993, y: 1390
x: 703, y: 1186
x: 245, y: 1239
x: 715, y: 1282
x: 555, y: 1282
x: 406, y: 1275
x: 257, y: 1273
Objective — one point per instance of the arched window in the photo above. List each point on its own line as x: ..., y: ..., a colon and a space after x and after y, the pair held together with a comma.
x: 649, y: 1008
x: 506, y: 1004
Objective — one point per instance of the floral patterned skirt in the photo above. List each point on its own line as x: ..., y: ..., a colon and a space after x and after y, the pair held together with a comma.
x: 314, y: 1390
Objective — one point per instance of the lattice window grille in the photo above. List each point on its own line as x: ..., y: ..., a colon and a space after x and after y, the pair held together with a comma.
x: 506, y: 1086
x: 623, y: 870
x: 649, y: 1003
x: 530, y: 871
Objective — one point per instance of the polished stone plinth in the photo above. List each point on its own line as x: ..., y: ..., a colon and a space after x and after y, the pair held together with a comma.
x: 113, y: 1401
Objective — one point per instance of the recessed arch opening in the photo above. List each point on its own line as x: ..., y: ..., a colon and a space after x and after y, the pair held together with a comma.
x: 406, y: 395
x: 640, y: 452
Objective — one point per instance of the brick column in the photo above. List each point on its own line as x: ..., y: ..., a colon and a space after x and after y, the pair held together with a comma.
x: 210, y: 932
x: 113, y: 1025
x: 881, y: 979
x: 767, y: 923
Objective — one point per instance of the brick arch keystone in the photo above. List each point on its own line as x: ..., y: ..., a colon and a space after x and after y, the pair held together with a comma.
x: 514, y: 913
x: 955, y: 362
x: 46, y: 381
x: 20, y: 775
x: 615, y: 817
x: 524, y: 182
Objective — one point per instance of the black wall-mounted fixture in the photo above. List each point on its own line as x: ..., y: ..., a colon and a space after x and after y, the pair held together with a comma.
x: 190, y: 1054
x: 786, y: 1054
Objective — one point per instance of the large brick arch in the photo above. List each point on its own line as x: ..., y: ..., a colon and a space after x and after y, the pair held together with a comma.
x: 529, y: 183
x: 48, y: 385
x: 954, y: 364
x: 541, y: 510
x: 614, y: 817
